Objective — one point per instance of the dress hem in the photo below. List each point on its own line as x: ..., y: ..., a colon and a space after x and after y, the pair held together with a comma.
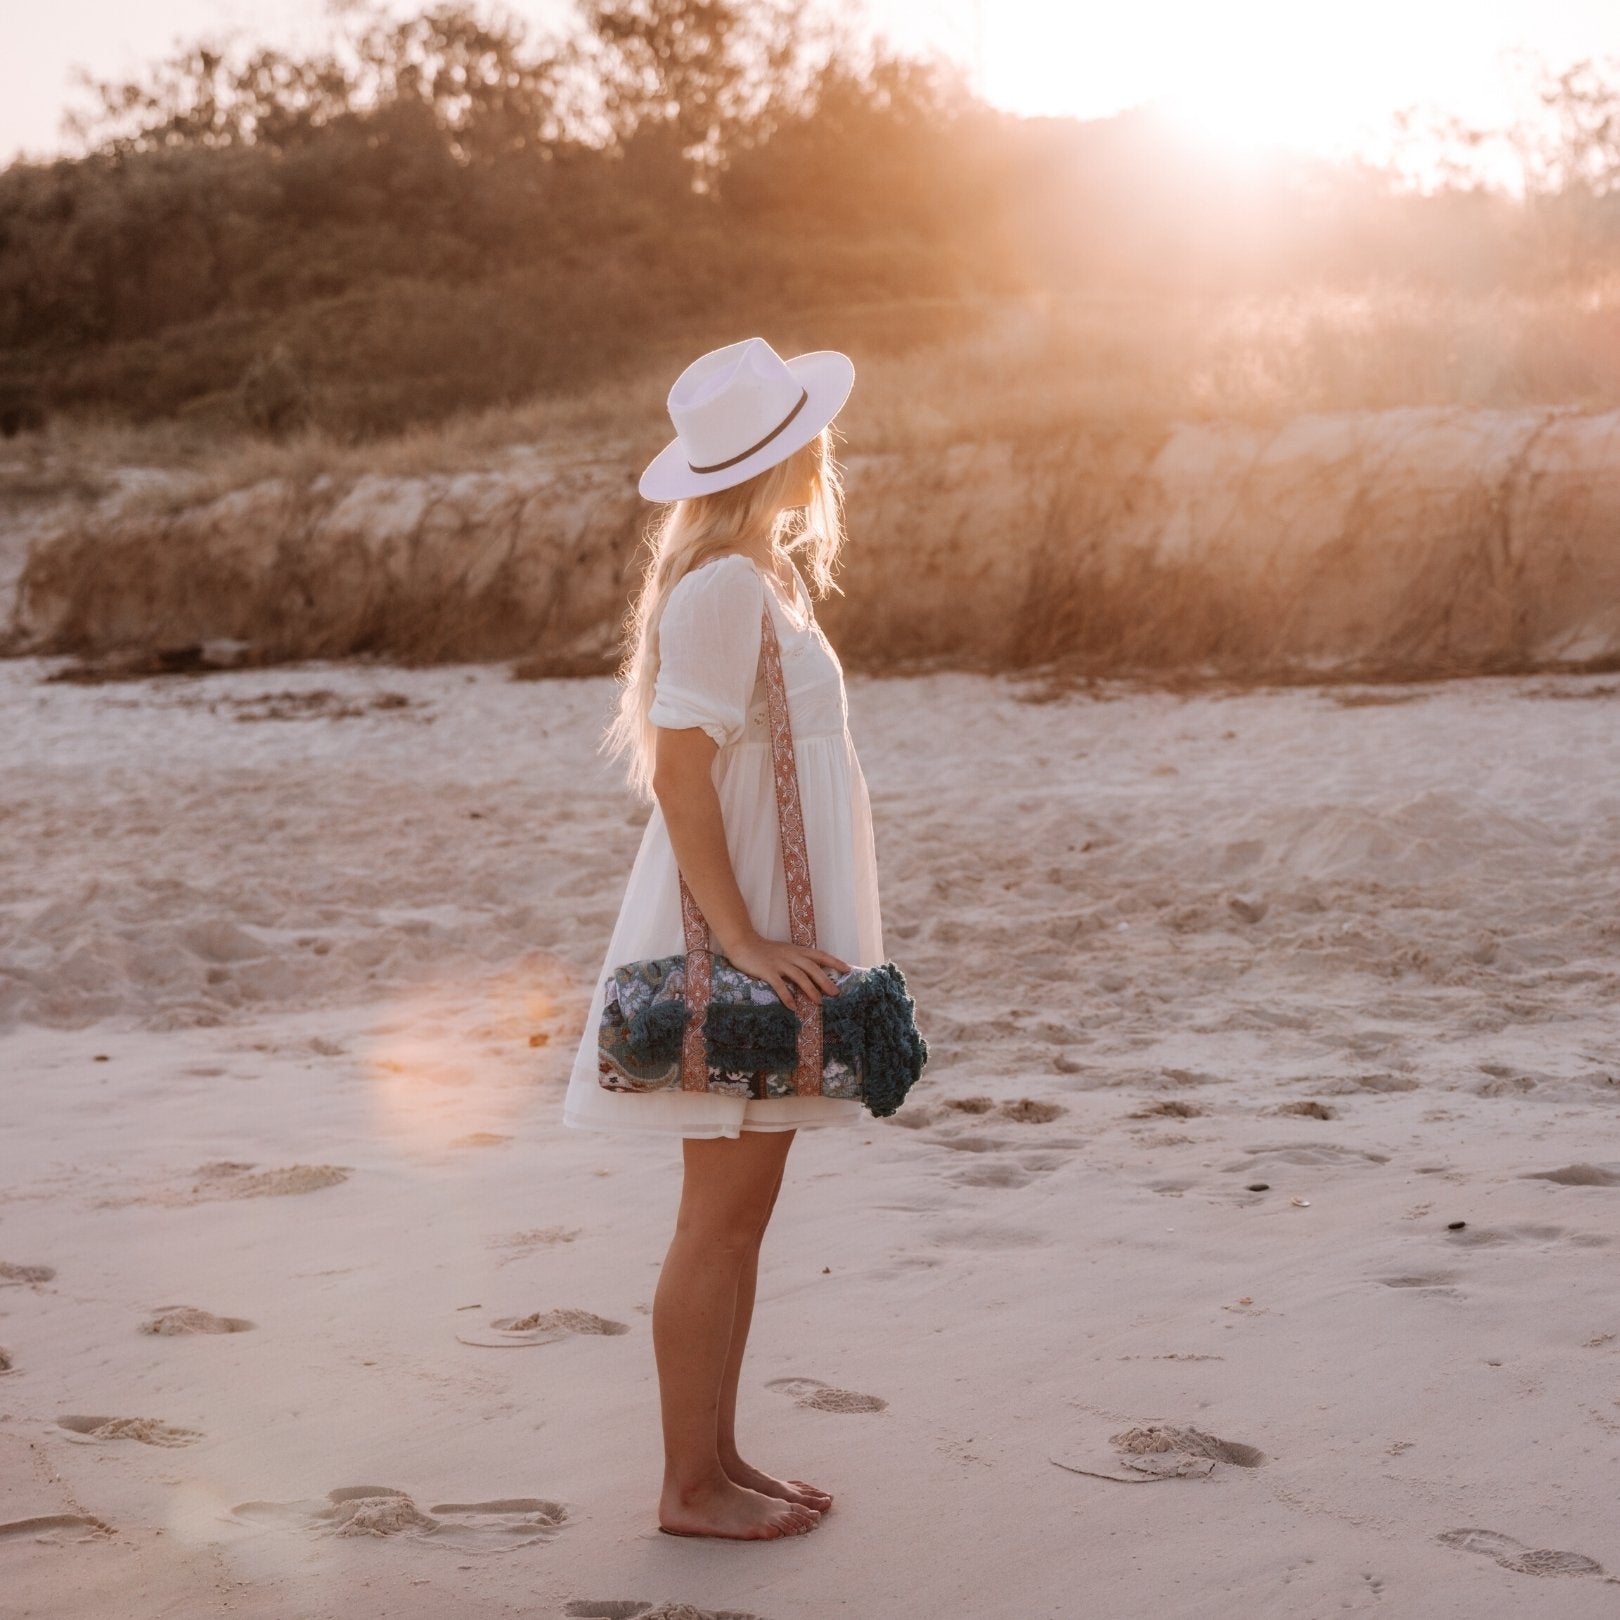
x: 617, y: 1128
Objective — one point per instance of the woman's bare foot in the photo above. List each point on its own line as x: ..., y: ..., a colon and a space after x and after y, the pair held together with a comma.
x: 789, y: 1490
x: 723, y: 1508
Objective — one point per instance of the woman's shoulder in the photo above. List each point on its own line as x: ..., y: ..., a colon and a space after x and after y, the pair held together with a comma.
x: 730, y: 579
x: 725, y: 564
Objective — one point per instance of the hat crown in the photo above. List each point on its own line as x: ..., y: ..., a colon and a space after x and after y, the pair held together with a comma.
x: 729, y: 400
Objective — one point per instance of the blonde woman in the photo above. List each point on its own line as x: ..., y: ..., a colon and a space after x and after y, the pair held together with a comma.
x: 748, y: 481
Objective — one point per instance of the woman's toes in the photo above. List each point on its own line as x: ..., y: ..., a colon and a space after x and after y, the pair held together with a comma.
x: 796, y: 1491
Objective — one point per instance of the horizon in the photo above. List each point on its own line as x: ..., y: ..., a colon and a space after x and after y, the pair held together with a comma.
x: 1289, y: 80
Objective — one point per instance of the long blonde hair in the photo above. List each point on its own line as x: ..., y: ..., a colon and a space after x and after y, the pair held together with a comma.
x: 685, y: 535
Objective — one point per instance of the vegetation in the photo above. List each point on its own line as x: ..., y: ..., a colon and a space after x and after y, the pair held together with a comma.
x: 450, y: 214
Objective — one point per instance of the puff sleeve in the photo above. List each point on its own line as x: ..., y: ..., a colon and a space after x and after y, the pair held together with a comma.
x: 708, y: 649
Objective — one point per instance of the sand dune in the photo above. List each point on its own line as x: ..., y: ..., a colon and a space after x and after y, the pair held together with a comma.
x: 1266, y: 1155
x: 1416, y: 542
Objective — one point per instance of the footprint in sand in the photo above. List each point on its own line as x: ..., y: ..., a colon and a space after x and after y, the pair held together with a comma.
x: 1169, y: 1108
x: 13, y: 1273
x: 1153, y: 1451
x: 1381, y: 1082
x: 149, y: 1431
x: 1030, y: 1111
x: 643, y: 1609
x: 45, y: 1527
x: 1433, y: 1282
x: 524, y: 1243
x: 1052, y: 1157
x: 543, y: 1327
x: 902, y: 1263
x: 1579, y: 1175
x: 1319, y: 1154
x: 970, y: 1143
x: 992, y: 1175
x: 987, y: 1235
x: 382, y: 1511
x: 1514, y: 1555
x: 6, y: 1362
x: 175, y: 1319
x: 228, y: 1178
x: 1013, y: 1171
x: 1503, y: 1085
x: 825, y: 1397
x: 1171, y: 1186
x: 1025, y: 1110
x: 1477, y: 1237
x: 914, y: 1116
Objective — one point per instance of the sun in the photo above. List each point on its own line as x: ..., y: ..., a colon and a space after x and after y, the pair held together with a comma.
x: 1239, y: 119
x: 1295, y: 82
x: 1244, y: 77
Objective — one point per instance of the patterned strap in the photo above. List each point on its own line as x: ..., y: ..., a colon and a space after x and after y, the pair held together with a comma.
x: 801, y: 909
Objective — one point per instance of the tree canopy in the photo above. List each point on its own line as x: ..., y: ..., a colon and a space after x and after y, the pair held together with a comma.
x: 450, y: 210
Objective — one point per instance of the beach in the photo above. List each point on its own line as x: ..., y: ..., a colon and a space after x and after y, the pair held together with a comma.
x: 1267, y: 1152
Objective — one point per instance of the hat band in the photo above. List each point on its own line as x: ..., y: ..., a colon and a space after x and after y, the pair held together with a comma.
x: 753, y: 449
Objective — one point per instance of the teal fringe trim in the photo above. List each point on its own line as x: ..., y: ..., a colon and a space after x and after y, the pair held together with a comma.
x: 871, y: 1026
x: 744, y: 1038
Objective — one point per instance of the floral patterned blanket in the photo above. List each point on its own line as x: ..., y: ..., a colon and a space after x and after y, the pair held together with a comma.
x: 752, y: 1037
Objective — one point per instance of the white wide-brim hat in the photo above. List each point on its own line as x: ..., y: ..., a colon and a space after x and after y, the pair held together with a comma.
x: 741, y: 409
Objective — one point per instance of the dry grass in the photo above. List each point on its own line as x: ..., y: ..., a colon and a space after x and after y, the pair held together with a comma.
x: 76, y: 456
x: 1004, y: 480
x: 1406, y: 545
x: 1030, y: 371
x: 1015, y: 369
x: 1361, y: 546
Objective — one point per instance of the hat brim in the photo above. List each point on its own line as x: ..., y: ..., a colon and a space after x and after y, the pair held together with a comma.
x: 826, y: 377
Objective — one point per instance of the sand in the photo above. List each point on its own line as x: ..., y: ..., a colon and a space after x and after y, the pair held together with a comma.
x: 1268, y: 1154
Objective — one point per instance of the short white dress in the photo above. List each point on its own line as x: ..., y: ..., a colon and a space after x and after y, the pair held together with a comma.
x: 710, y: 675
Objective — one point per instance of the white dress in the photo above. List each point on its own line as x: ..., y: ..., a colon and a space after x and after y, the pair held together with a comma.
x: 710, y: 675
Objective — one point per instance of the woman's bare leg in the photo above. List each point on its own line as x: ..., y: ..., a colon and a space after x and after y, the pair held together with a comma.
x: 726, y: 1195
x: 742, y: 1473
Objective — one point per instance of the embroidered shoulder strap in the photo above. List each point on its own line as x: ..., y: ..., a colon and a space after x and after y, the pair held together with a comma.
x: 801, y: 909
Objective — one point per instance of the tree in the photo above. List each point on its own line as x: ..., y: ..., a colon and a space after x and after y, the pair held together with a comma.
x: 484, y: 83
x: 705, y: 72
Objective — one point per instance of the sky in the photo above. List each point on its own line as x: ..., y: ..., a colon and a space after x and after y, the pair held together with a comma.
x: 1244, y: 72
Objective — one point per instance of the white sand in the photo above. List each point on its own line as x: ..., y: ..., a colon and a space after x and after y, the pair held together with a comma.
x: 1364, y: 953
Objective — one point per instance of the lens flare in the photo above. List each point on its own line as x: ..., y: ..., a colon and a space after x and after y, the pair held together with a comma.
x: 454, y: 1062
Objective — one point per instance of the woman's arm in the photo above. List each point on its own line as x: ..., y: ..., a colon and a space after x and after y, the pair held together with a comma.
x: 683, y: 784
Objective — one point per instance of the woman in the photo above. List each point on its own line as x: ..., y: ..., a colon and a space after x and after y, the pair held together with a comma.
x: 748, y: 479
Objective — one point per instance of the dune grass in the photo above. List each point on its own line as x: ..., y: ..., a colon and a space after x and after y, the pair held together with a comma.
x: 1010, y: 370
x: 1048, y: 415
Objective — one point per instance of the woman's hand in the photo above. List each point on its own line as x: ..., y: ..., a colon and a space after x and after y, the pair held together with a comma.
x: 780, y: 963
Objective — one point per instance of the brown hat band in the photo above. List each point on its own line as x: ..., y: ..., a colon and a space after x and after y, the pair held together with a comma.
x: 781, y: 427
